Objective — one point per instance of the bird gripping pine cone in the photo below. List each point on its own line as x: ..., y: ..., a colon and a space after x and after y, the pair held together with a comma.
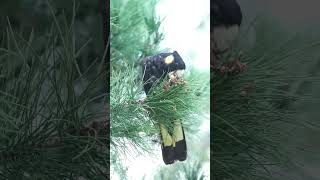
x: 156, y: 68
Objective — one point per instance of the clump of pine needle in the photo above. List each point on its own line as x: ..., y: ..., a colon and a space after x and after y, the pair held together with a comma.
x: 130, y: 115
x: 46, y: 105
x: 253, y: 115
x: 135, y: 123
x: 164, y: 102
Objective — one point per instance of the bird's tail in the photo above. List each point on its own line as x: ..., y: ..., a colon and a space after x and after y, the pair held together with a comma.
x: 173, y: 146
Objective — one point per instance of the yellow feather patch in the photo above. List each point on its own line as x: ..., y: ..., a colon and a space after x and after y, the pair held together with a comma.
x: 166, y: 137
x: 169, y: 59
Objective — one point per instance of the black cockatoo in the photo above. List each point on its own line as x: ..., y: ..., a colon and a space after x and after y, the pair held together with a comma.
x: 226, y: 17
x: 155, y: 68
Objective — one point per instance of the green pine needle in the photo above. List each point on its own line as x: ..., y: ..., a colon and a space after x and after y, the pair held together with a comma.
x: 251, y: 126
x: 48, y: 106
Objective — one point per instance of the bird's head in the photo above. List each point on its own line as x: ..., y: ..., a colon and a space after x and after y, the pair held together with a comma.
x: 227, y: 18
x: 158, y: 66
x: 174, y: 62
x: 225, y: 13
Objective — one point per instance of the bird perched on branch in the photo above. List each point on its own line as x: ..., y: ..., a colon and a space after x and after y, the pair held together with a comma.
x: 156, y: 68
x: 225, y: 23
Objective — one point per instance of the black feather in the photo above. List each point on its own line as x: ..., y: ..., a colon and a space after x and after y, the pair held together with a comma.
x: 225, y: 13
x: 155, y: 68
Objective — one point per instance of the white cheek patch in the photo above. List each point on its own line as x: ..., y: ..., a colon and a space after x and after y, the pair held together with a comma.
x: 168, y: 60
x: 225, y: 36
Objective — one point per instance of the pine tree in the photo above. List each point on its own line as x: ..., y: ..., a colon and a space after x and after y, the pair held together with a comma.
x: 253, y: 101
x: 135, y: 34
x: 51, y: 105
